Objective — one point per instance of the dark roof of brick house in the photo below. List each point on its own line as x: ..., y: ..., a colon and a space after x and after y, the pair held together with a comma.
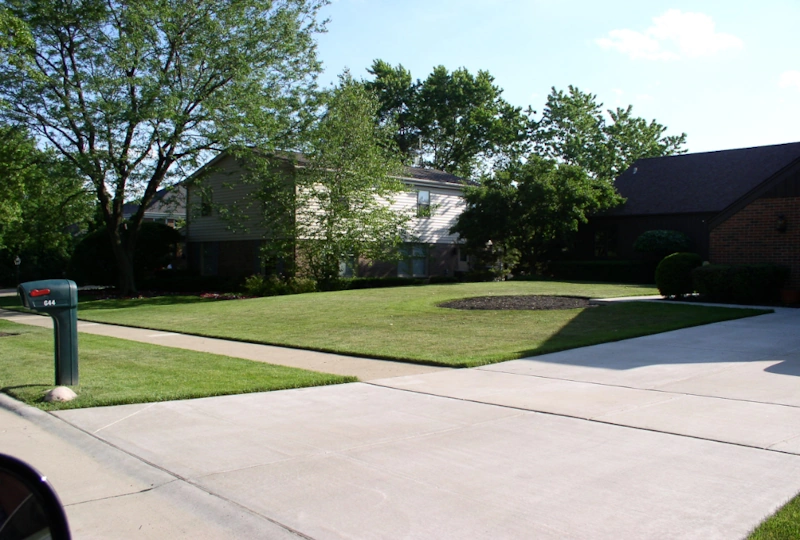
x: 698, y: 183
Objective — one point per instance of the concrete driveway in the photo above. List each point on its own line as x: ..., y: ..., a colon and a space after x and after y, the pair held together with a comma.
x: 688, y: 434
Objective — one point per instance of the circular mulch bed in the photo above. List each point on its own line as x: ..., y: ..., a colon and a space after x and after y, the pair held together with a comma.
x: 519, y: 302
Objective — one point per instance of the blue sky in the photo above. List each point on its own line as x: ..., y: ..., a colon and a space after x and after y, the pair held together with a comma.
x: 727, y: 73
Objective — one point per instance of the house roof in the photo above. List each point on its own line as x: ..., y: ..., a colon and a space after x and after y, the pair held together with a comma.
x: 166, y: 202
x: 409, y: 173
x: 432, y: 175
x: 699, y: 183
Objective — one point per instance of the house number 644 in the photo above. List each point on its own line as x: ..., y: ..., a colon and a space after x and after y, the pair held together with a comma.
x: 48, y: 303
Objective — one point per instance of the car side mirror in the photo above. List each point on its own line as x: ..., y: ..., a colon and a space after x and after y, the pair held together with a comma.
x: 29, y: 507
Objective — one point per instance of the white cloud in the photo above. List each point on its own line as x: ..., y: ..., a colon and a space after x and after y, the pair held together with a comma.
x: 674, y: 35
x: 790, y: 79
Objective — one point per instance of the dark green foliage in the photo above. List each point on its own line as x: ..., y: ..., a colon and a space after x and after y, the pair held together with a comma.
x: 42, y: 204
x: 574, y: 129
x: 604, y: 271
x: 452, y: 121
x: 258, y: 285
x: 742, y: 284
x: 93, y: 261
x: 526, y: 209
x: 674, y: 274
x: 661, y: 242
x: 135, y: 93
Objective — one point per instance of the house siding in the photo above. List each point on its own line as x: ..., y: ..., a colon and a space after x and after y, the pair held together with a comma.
x: 750, y: 236
x: 234, y: 245
x: 228, y: 190
x: 446, y: 206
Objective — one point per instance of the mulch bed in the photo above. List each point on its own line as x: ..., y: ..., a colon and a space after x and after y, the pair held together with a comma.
x: 519, y: 302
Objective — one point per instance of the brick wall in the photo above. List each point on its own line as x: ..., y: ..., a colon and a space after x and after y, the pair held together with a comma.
x: 750, y: 236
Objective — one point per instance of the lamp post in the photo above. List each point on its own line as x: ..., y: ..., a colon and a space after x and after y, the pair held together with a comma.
x: 17, y: 262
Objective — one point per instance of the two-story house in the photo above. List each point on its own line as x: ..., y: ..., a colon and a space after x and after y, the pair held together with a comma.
x: 216, y: 248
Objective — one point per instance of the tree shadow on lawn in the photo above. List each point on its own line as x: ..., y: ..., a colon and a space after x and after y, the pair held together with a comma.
x: 598, y: 326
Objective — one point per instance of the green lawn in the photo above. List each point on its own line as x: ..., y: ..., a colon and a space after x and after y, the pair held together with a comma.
x: 116, y: 371
x: 406, y: 323
x: 783, y: 525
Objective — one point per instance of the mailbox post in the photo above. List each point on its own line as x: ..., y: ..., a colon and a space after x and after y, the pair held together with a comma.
x: 59, y: 299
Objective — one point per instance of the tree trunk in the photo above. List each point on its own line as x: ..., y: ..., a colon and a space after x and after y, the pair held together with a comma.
x: 123, y: 255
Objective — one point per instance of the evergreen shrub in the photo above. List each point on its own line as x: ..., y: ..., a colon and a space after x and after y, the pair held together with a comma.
x: 674, y: 274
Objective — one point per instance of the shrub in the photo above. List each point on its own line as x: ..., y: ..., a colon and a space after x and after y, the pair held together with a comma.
x: 674, y: 274
x: 661, y: 242
x: 743, y: 284
x: 258, y: 285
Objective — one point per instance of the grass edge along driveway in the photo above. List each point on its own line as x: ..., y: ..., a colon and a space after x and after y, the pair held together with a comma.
x: 405, y: 323
x: 117, y: 372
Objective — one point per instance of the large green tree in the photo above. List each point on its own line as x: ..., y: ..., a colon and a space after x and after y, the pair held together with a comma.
x: 43, y: 202
x: 525, y: 210
x: 574, y: 129
x: 336, y: 205
x: 452, y: 121
x: 134, y: 93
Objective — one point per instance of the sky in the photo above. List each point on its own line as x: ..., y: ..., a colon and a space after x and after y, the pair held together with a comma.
x: 726, y: 73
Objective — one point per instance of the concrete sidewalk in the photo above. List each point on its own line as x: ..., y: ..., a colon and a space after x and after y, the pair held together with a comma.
x: 687, y: 434
x: 364, y: 368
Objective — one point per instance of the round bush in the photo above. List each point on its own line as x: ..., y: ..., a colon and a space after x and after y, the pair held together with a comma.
x: 661, y: 242
x: 674, y: 274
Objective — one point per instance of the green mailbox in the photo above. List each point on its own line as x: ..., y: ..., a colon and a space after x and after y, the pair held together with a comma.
x: 59, y: 299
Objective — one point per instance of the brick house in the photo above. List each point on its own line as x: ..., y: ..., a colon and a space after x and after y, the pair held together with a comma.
x: 737, y: 206
x: 214, y: 249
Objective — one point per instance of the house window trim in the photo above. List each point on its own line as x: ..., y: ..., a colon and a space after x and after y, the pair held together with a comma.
x: 423, y: 206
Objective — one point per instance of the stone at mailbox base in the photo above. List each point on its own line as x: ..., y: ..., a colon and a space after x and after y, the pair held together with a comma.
x: 60, y: 393
x: 59, y: 299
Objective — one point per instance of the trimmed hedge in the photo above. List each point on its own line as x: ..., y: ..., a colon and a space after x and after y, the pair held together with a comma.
x: 605, y: 271
x: 674, y: 274
x: 742, y: 284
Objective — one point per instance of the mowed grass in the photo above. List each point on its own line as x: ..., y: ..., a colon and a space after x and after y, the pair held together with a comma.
x: 115, y: 371
x: 405, y: 323
x: 783, y: 525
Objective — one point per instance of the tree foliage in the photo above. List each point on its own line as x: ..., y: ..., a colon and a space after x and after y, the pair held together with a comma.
x: 573, y: 129
x: 42, y: 202
x: 337, y: 204
x: 454, y: 121
x: 135, y: 92
x: 528, y: 209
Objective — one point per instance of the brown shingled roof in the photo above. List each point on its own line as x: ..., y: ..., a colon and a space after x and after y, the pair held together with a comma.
x: 432, y: 175
x: 702, y: 182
